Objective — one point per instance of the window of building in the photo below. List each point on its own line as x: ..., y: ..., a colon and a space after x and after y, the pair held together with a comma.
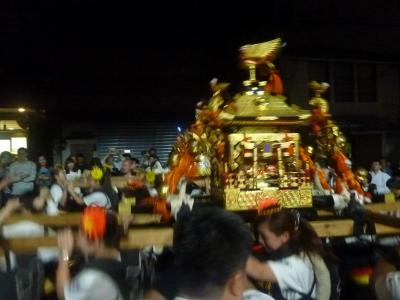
x: 18, y: 142
x: 320, y: 72
x: 5, y: 145
x: 366, y: 83
x: 343, y: 82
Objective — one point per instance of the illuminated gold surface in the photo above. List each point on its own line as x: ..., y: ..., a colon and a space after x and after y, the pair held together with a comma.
x: 254, y: 106
x: 258, y: 138
x: 236, y: 199
x: 260, y: 53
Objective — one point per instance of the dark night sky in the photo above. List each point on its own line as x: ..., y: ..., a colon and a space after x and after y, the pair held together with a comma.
x: 93, y: 60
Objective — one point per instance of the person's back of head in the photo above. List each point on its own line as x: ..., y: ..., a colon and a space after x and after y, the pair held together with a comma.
x: 211, y: 249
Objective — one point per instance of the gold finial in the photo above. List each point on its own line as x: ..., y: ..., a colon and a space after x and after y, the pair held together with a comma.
x: 317, y: 100
x: 256, y: 54
x: 319, y: 88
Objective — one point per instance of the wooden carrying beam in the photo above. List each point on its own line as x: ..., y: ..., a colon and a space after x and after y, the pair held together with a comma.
x: 162, y: 236
x: 374, y: 207
x: 117, y: 181
x: 74, y: 219
x: 142, y: 237
x: 136, y: 238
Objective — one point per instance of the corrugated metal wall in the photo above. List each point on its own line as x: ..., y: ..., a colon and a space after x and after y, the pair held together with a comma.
x: 137, y: 138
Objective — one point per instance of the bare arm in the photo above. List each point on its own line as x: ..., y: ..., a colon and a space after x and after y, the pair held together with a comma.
x: 63, y: 277
x: 65, y: 244
x: 6, y: 211
x: 78, y: 199
x: 5, y: 182
x: 259, y: 270
x: 104, y: 159
x: 63, y: 199
x: 60, y: 199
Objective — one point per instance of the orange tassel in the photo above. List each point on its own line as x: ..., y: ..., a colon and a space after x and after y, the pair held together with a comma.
x: 339, y: 185
x: 94, y: 222
x: 343, y: 170
x: 312, y: 171
x: 274, y: 84
x: 186, y: 167
x: 322, y: 180
x: 306, y: 159
x: 160, y: 207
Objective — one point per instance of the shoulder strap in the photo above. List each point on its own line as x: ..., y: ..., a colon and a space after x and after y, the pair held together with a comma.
x: 306, y: 296
x: 312, y: 287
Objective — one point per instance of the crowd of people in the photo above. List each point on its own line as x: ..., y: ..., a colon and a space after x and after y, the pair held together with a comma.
x: 62, y: 185
x: 380, y: 183
x: 215, y: 255
x: 381, y: 179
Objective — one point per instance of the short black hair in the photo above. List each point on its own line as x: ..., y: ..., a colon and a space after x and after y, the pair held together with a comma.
x: 22, y: 149
x: 210, y: 246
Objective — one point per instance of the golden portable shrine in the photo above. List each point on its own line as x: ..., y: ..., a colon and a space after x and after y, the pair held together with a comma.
x: 246, y: 148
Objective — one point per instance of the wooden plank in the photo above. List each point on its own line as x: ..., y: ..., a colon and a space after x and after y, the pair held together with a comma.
x: 142, y: 237
x: 73, y: 219
x: 139, y: 238
x: 62, y: 220
x: 337, y: 228
x: 333, y: 228
x: 26, y: 245
x: 117, y: 181
x: 382, y: 229
x: 383, y: 207
x: 325, y: 213
x: 136, y: 238
x: 380, y: 218
x: 374, y: 207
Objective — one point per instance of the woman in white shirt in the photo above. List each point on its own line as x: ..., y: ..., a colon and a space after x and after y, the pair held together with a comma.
x: 58, y: 192
x: 295, y: 251
x: 72, y: 172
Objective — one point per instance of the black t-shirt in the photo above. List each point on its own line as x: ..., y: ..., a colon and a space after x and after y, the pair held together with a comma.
x: 7, y: 286
x: 165, y: 281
